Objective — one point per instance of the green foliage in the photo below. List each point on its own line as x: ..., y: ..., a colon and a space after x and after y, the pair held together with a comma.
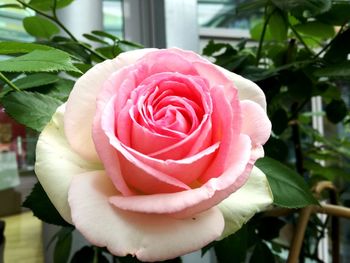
x: 9, y: 47
x: 89, y: 254
x: 63, y: 245
x: 31, y: 109
x: 40, y: 27
x: 39, y: 61
x: 46, y: 5
x: 288, y: 187
x: 40, y: 204
x: 31, y: 81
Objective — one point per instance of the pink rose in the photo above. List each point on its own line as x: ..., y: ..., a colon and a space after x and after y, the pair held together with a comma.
x: 153, y: 154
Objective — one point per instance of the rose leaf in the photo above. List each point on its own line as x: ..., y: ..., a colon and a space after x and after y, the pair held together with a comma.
x: 288, y: 187
x: 40, y: 204
x: 30, y: 108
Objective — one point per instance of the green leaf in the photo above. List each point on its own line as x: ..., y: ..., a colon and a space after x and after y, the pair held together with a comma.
x: 10, y: 6
x: 95, y: 39
x: 316, y: 29
x: 31, y: 81
x: 276, y: 149
x: 104, y: 34
x: 31, y: 109
x: 339, y: 49
x: 279, y: 121
x: 337, y: 15
x: 40, y: 27
x: 40, y: 204
x: 63, y: 245
x: 262, y: 254
x: 288, y: 187
x: 277, y: 26
x: 234, y: 246
x: 61, y: 89
x: 89, y: 254
x: 336, y: 111
x: 265, y: 231
x: 39, y: 60
x: 338, y: 70
x: 46, y: 5
x: 10, y: 47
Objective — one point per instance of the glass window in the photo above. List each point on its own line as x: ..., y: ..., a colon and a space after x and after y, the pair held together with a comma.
x: 222, y: 14
x: 11, y: 27
x: 113, y: 17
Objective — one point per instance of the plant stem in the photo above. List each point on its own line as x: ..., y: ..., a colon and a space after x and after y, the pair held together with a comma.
x: 8, y: 82
x: 262, y: 36
x: 299, y: 37
x: 299, y: 160
x: 55, y: 19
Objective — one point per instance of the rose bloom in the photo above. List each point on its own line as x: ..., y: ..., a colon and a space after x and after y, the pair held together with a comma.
x: 153, y: 154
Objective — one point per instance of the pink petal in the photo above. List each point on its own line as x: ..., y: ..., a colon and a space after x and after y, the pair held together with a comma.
x: 226, y: 125
x: 142, y: 177
x: 186, y: 203
x: 146, y: 236
x: 255, y: 122
x: 81, y: 103
x: 247, y: 89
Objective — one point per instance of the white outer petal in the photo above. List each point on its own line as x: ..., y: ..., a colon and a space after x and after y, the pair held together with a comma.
x: 81, y: 104
x: 149, y: 237
x: 252, y: 198
x: 247, y: 89
x: 56, y: 163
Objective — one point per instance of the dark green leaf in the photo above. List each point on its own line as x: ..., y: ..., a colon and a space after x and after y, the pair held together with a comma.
x: 61, y: 89
x: 32, y: 81
x: 338, y: 70
x: 89, y: 254
x: 129, y: 45
x: 336, y: 111
x: 262, y: 254
x: 104, y: 34
x: 110, y: 52
x: 279, y: 121
x: 31, y: 109
x: 288, y: 187
x: 39, y: 60
x: 63, y: 245
x: 9, y: 47
x: 339, y: 49
x: 337, y: 15
x: 276, y: 149
x: 40, y: 204
x: 234, y: 246
x: 131, y: 259
x: 40, y: 27
x: 46, y: 5
x: 265, y: 231
x: 95, y: 39
x: 316, y: 29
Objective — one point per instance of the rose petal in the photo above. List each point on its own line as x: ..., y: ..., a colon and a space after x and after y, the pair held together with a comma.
x: 254, y: 196
x: 148, y: 237
x: 255, y: 122
x: 247, y: 89
x: 56, y: 163
x: 185, y: 203
x: 81, y: 103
